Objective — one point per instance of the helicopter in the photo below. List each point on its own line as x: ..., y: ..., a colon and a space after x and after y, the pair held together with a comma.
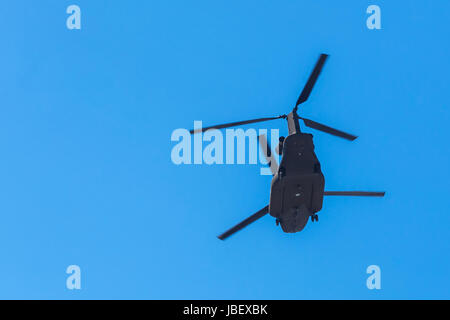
x: 297, y: 187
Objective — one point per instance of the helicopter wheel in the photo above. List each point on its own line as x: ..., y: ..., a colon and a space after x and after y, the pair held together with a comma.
x: 277, y: 221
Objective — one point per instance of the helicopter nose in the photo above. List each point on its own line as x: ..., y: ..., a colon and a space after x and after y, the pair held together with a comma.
x: 296, y: 220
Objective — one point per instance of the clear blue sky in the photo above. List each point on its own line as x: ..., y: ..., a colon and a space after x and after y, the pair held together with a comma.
x: 85, y: 170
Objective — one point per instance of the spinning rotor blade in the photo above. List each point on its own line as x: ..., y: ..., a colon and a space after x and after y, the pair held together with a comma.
x: 324, y: 128
x: 312, y: 80
x: 265, y: 147
x: 354, y: 193
x: 234, y: 124
x: 261, y: 213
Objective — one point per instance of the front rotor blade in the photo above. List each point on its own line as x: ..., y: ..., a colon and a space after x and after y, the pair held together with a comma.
x: 312, y: 79
x: 327, y: 129
x: 234, y: 124
x: 354, y: 193
x: 267, y: 151
x: 261, y: 213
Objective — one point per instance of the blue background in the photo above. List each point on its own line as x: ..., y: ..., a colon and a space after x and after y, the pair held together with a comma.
x: 86, y: 176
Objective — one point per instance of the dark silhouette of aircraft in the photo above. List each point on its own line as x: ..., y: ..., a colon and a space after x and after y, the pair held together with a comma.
x: 297, y: 188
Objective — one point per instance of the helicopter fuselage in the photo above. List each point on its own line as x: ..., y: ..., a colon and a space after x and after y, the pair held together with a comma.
x: 297, y: 188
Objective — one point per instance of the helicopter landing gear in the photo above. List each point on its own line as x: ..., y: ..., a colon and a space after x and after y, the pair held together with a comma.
x: 314, y: 217
x: 277, y: 221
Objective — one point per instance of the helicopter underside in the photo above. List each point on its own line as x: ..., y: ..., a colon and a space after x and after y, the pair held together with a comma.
x: 295, y: 198
x: 298, y: 183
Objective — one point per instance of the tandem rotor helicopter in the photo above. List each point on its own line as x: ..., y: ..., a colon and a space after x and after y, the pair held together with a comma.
x: 297, y: 188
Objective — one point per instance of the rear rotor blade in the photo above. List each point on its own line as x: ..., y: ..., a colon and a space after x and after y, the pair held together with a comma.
x: 354, y: 193
x: 327, y: 129
x: 234, y: 124
x: 261, y: 213
x: 267, y: 151
x: 312, y: 79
